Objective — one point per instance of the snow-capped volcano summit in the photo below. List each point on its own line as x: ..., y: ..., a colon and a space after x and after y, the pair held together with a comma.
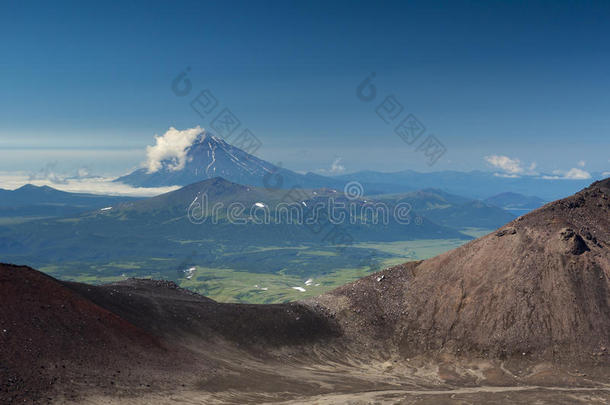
x: 205, y: 157
x: 214, y: 157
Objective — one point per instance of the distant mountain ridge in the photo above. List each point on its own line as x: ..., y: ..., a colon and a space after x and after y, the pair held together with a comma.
x: 475, y: 184
x: 44, y: 201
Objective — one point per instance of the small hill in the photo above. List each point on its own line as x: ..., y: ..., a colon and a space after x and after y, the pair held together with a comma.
x: 47, y: 332
x: 515, y: 201
x: 475, y: 213
x: 452, y: 210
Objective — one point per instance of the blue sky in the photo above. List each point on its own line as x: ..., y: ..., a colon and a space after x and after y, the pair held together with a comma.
x: 88, y: 84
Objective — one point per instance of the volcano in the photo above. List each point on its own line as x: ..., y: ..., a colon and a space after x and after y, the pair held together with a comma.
x: 210, y: 156
x: 521, y: 315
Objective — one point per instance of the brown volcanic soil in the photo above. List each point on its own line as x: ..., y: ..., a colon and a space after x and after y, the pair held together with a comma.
x: 61, y: 340
x: 537, y: 287
x: 168, y: 311
x: 50, y: 336
x: 520, y: 315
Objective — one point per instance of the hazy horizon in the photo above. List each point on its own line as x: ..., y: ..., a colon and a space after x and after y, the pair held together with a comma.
x: 522, y: 82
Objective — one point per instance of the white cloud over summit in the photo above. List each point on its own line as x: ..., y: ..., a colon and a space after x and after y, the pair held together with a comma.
x: 335, y: 168
x: 172, y: 146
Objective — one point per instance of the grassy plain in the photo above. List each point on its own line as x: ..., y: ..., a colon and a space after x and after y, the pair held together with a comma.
x: 304, y: 271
